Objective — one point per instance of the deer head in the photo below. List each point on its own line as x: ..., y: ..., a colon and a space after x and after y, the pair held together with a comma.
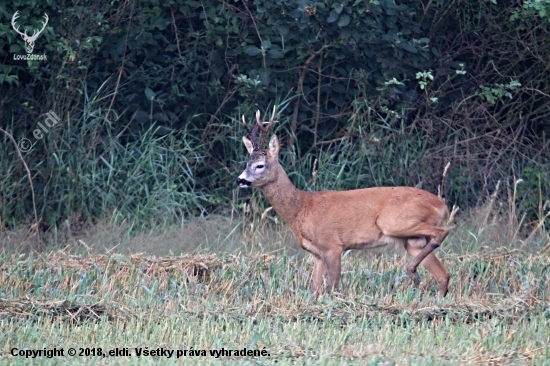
x: 29, y: 40
x: 259, y: 170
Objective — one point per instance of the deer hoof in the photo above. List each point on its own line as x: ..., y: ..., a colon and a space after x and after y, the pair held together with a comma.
x: 411, y: 272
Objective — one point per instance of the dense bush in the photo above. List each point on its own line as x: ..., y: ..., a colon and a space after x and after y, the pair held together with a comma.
x: 379, y: 92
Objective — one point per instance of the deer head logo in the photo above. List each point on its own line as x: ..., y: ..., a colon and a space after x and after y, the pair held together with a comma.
x: 29, y: 40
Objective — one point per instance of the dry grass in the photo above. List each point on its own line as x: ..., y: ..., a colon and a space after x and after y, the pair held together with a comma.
x: 503, y: 290
x: 213, y: 233
x: 91, y: 295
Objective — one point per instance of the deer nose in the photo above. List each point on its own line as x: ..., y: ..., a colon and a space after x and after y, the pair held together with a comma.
x: 243, y: 182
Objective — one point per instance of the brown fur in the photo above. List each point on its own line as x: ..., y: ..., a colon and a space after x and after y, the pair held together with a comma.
x: 327, y: 223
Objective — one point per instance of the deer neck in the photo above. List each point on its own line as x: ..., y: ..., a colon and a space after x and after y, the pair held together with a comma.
x: 286, y: 199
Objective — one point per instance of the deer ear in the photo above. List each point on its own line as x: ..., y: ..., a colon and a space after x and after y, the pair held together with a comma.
x: 248, y: 144
x: 274, y: 146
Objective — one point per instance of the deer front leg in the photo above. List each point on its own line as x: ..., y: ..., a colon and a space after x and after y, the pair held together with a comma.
x: 319, y: 271
x: 333, y: 262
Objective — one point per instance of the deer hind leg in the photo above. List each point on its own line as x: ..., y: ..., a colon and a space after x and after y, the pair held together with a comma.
x: 423, y: 254
x: 435, y: 267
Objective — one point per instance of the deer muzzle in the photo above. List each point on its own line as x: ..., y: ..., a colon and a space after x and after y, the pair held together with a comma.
x: 243, y: 182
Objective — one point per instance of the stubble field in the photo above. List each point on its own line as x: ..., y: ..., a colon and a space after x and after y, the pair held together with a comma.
x: 253, y: 306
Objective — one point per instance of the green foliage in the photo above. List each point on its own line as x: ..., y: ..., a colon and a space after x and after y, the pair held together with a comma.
x: 531, y: 8
x: 499, y: 91
x: 390, y: 87
x: 202, y: 47
x: 96, y: 169
x: 424, y: 78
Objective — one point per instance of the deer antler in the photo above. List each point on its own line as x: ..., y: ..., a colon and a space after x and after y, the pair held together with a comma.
x: 252, y: 134
x: 259, y: 125
x: 266, y: 128
x: 43, y: 26
x: 16, y: 28
x: 35, y: 33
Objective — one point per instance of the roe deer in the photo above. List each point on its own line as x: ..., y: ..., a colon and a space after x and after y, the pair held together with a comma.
x: 327, y: 223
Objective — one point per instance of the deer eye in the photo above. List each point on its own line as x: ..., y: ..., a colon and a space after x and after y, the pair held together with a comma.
x: 259, y: 166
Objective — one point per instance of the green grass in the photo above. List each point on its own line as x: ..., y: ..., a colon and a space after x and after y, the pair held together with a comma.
x: 497, y: 311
